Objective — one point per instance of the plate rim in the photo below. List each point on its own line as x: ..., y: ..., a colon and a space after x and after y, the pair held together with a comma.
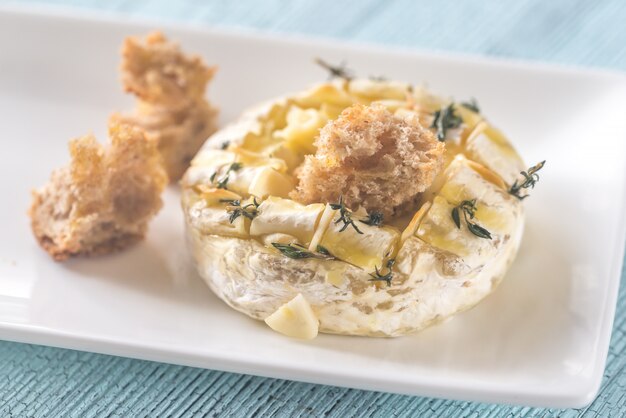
x: 61, y: 339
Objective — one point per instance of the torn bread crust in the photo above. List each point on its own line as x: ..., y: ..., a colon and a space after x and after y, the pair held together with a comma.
x: 158, y: 72
x: 373, y: 158
x: 178, y: 135
x: 102, y: 202
x: 170, y: 87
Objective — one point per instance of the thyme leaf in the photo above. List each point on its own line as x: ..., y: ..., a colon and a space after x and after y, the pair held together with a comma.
x: 223, y: 182
x: 292, y: 251
x: 345, y: 216
x: 530, y: 179
x: 298, y: 252
x: 478, y: 230
x: 336, y: 71
x: 377, y: 276
x: 324, y: 251
x: 456, y: 217
x: 235, y: 209
x: 373, y: 219
x: 468, y: 208
x: 445, y: 119
x: 472, y: 105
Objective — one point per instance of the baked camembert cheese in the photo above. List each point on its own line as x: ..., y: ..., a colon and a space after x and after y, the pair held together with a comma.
x: 357, y: 207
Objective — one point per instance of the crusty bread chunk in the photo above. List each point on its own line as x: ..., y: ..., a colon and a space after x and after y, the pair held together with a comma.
x: 170, y: 88
x: 373, y: 158
x: 104, y: 199
x: 159, y: 73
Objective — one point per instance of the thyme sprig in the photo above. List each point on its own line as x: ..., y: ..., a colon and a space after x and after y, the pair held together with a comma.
x: 235, y: 209
x: 530, y: 179
x: 373, y: 219
x: 377, y: 276
x: 324, y: 251
x: 222, y: 183
x: 445, y: 119
x: 345, y: 216
x: 468, y: 208
x: 297, y: 251
x: 472, y: 105
x: 336, y: 71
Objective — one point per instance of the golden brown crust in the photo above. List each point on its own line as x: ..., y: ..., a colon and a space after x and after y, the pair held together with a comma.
x: 102, y: 201
x: 375, y: 159
x: 157, y: 72
x: 170, y: 88
x: 179, y: 135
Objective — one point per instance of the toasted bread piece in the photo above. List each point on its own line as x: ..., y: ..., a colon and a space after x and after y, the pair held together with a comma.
x: 170, y: 88
x: 179, y: 135
x: 158, y: 72
x: 371, y: 157
x: 104, y: 199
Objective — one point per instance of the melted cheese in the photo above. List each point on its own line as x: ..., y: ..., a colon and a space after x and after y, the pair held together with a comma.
x: 490, y: 148
x: 464, y: 183
x: 276, y: 215
x: 367, y: 250
x: 269, y: 182
x: 216, y: 219
x: 302, y: 128
x: 327, y: 93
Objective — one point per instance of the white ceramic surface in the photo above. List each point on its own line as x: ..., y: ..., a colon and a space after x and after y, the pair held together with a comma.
x: 540, y: 339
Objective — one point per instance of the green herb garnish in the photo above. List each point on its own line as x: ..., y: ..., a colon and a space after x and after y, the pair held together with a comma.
x: 445, y: 119
x: 335, y: 71
x: 345, y: 216
x: 471, y: 105
x: 373, y: 219
x: 297, y: 251
x: 324, y: 251
x: 530, y: 179
x: 225, y: 144
x: 468, y: 208
x: 377, y: 276
x: 236, y: 210
x: 223, y: 182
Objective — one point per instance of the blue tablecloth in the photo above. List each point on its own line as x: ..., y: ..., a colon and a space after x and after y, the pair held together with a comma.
x: 40, y: 381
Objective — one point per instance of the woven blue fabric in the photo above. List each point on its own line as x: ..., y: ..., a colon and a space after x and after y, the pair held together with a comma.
x: 41, y: 381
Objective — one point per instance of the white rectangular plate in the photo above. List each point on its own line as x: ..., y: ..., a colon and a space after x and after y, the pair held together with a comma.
x: 540, y: 339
